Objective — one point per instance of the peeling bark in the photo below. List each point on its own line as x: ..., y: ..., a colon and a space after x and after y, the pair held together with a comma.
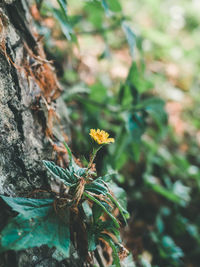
x: 23, y: 142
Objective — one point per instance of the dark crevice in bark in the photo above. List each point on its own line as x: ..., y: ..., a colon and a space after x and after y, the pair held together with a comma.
x: 42, y: 120
x: 18, y: 119
x: 16, y: 45
x: 11, y: 260
x: 10, y: 51
x: 19, y: 162
x: 17, y: 17
x: 12, y: 105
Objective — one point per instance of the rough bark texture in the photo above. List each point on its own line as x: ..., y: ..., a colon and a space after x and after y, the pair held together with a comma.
x: 22, y: 142
x: 22, y: 129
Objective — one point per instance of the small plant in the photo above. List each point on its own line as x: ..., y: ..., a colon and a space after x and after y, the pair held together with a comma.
x: 82, y: 215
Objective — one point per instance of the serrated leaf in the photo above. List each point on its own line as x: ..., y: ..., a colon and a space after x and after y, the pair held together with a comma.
x: 130, y: 36
x: 34, y: 229
x: 87, y: 195
x: 79, y: 171
x: 60, y: 173
x: 73, y: 167
x: 96, y: 187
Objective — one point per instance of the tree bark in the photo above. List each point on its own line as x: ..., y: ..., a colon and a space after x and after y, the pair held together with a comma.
x: 23, y: 119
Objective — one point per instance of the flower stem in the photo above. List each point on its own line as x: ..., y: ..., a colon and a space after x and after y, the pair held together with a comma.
x: 94, y: 153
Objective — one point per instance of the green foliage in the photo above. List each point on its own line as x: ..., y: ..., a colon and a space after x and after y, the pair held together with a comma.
x: 130, y: 36
x: 48, y: 221
x: 63, y: 5
x: 63, y: 21
x: 127, y: 113
x: 62, y: 174
x: 160, y: 177
x: 37, y: 224
x: 158, y: 168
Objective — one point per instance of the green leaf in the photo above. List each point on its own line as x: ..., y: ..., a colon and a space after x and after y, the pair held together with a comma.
x: 109, y: 226
x: 171, y: 248
x: 156, y: 108
x: 122, y: 211
x: 114, y: 5
x: 60, y: 173
x: 116, y: 260
x: 105, y: 6
x: 111, y: 5
x: 41, y: 226
x: 159, y: 224
x: 102, y: 206
x: 96, y: 212
x: 130, y: 36
x: 107, y: 177
x: 63, y: 5
x: 69, y: 152
x: 102, y: 189
x: 64, y: 24
x: 73, y: 167
x: 78, y: 170
x: 137, y: 80
x: 99, y: 92
x: 135, y: 125
x: 95, y: 13
x: 27, y: 206
x: 96, y: 187
x: 87, y: 210
x: 162, y: 191
x: 119, y: 194
x: 73, y: 92
x: 92, y: 241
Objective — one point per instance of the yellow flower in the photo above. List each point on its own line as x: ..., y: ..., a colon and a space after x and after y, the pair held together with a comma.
x: 101, y: 137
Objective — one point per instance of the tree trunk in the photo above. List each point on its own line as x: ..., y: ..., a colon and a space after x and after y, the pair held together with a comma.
x: 28, y: 87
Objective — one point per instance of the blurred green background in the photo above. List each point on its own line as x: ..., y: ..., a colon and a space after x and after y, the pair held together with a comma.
x: 132, y: 69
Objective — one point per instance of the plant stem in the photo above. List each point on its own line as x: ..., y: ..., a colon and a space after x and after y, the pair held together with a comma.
x: 94, y: 153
